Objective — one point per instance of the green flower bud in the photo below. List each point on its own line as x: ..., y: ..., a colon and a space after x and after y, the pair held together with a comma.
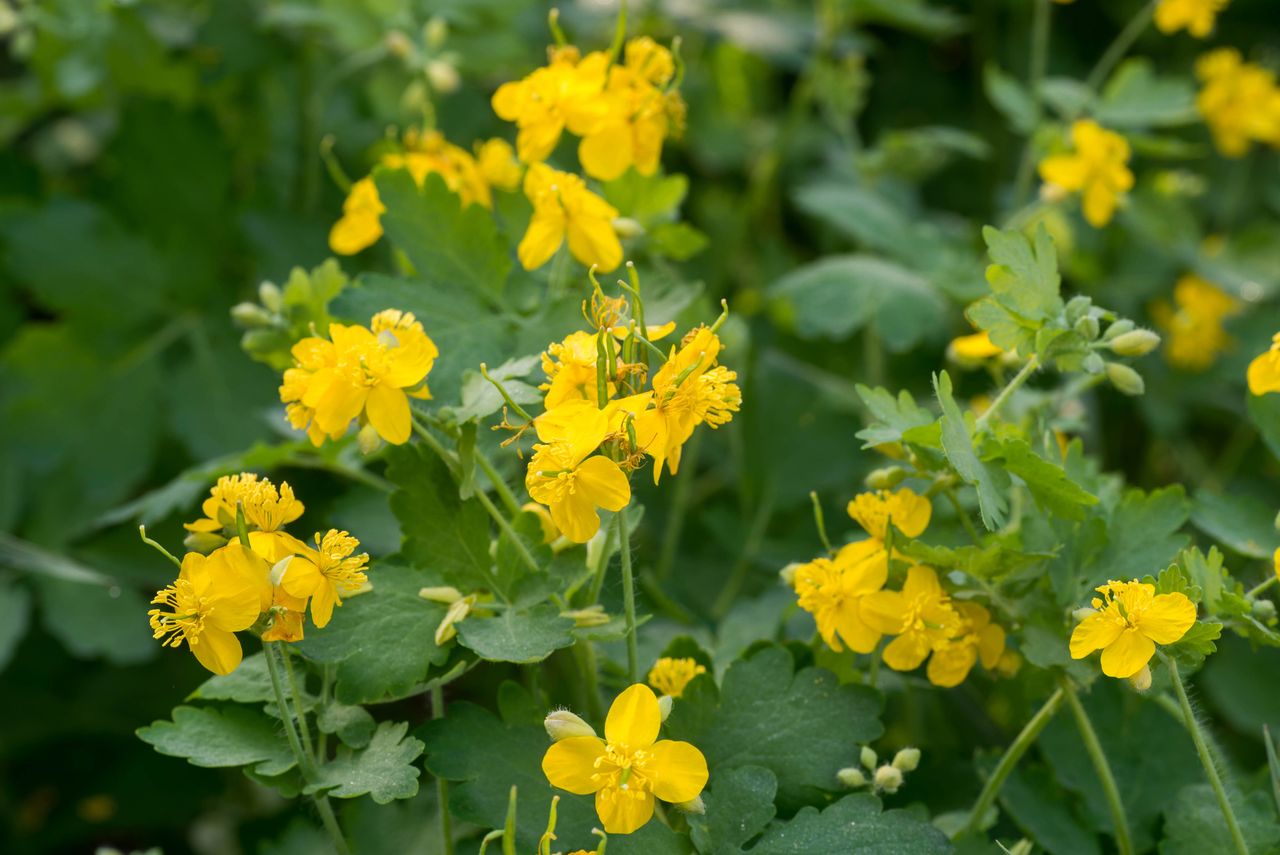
x: 446, y: 594
x: 1077, y: 307
x: 887, y: 779
x: 368, y: 440
x: 251, y: 315
x: 907, y: 760
x: 627, y: 227
x: 203, y: 542
x: 788, y: 575
x: 435, y: 32
x: 1142, y: 680
x: 664, y: 706
x: 590, y: 616
x: 270, y: 296
x: 885, y: 478
x: 1125, y: 379
x: 443, y: 76
x: 1135, y: 343
x: 868, y: 757
x: 1088, y: 327
x: 694, y: 805
x: 852, y: 777
x: 562, y: 724
x: 1118, y: 329
x: 1264, y: 610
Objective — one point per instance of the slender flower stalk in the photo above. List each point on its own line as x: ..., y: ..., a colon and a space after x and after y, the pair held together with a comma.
x: 1119, y: 819
x: 628, y: 596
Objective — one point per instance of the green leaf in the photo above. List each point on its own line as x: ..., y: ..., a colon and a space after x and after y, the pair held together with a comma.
x: 858, y: 211
x: 1023, y: 276
x: 1207, y: 573
x: 15, y: 615
x: 481, y: 399
x: 1041, y: 809
x: 648, y: 199
x: 1197, y: 643
x: 680, y: 241
x: 753, y: 720
x: 1136, y: 98
x: 517, y: 635
x: 912, y: 16
x: 739, y: 806
x: 1238, y: 521
x: 93, y: 621
x: 892, y: 417
x: 450, y: 246
x: 1264, y: 412
x: 1194, y: 823
x: 352, y: 724
x: 230, y: 736
x: 250, y: 683
x: 384, y: 770
x: 991, y: 482
x: 1142, y: 534
x: 1011, y: 98
x: 1046, y: 480
x: 856, y: 823
x: 383, y: 641
x: 1231, y: 684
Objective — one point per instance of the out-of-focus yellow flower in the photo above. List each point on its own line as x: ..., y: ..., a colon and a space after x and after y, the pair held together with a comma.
x: 563, y: 208
x: 834, y: 591
x: 564, y: 476
x: 669, y: 676
x: 909, y: 512
x: 361, y: 223
x: 970, y: 349
x: 1264, y: 370
x: 1097, y: 169
x: 920, y: 615
x: 359, y: 373
x: 1129, y: 620
x: 1193, y: 323
x: 1194, y: 16
x: 1239, y: 101
x: 498, y: 164
x: 978, y: 639
x: 566, y: 93
x: 630, y: 767
x: 326, y: 574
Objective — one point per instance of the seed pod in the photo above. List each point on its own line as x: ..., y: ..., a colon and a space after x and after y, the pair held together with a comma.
x: 885, y: 478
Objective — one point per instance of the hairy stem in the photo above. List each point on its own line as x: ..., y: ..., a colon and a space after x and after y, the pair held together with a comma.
x: 628, y: 595
x: 442, y: 786
x: 1119, y: 819
x: 1012, y: 386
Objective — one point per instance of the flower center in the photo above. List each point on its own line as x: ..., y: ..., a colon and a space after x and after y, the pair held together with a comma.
x: 184, y: 620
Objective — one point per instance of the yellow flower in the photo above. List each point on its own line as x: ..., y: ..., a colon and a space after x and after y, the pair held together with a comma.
x: 920, y: 615
x: 1193, y: 323
x: 498, y: 164
x: 564, y: 476
x: 670, y: 676
x: 688, y: 390
x: 549, y: 530
x: 909, y: 512
x: 361, y: 223
x: 563, y: 208
x: 563, y: 94
x: 1097, y: 169
x: 212, y: 599
x: 1128, y: 622
x: 977, y: 639
x: 570, y: 366
x: 266, y: 509
x: 1195, y: 16
x: 1264, y: 370
x: 326, y: 574
x: 359, y: 373
x: 630, y: 767
x: 972, y: 349
x: 1239, y: 101
x: 835, y: 590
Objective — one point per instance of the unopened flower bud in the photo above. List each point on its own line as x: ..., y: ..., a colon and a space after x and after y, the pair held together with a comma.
x: 788, y: 574
x: 435, y: 32
x: 1264, y: 610
x: 664, y: 706
x: 250, y: 315
x: 852, y: 777
x: 1135, y: 343
x: 1082, y: 613
x: 1077, y: 307
x: 1053, y: 192
x: 203, y: 541
x: 590, y: 616
x: 868, y: 757
x: 694, y: 805
x: 1022, y: 847
x: 443, y: 76
x: 1088, y: 327
x: 1142, y: 680
x: 885, y: 478
x: 1277, y: 525
x: 627, y: 228
x: 448, y: 624
x: 270, y: 296
x: 907, y: 760
x: 1125, y: 379
x: 887, y: 779
x: 1118, y: 329
x: 446, y: 594
x: 549, y: 530
x: 368, y: 440
x: 562, y: 724
x: 398, y: 44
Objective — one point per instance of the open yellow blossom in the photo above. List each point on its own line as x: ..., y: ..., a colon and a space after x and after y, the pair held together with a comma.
x: 630, y: 767
x: 564, y: 209
x: 1239, y: 101
x: 565, y: 476
x: 359, y: 373
x: 978, y: 639
x: 570, y: 366
x: 910, y: 513
x: 326, y: 574
x: 1194, y: 16
x: 266, y: 509
x: 1264, y: 370
x: 920, y: 615
x: 498, y: 164
x: 1129, y: 620
x: 834, y: 591
x: 1195, y: 336
x: 688, y: 390
x: 1097, y: 169
x: 563, y: 94
x: 211, y: 600
x: 670, y: 676
x: 972, y: 349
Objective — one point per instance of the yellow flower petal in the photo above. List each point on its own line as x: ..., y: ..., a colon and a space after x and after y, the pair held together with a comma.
x: 1095, y: 632
x: 922, y: 582
x: 570, y: 763
x: 322, y: 603
x: 1264, y: 373
x: 1128, y: 654
x: 906, y: 652
x: 542, y: 238
x: 1168, y: 618
x: 218, y: 650
x: 991, y: 641
x: 634, y: 718
x: 866, y: 565
x: 576, y: 517
x: 853, y: 628
x: 884, y: 611
x: 388, y: 411
x: 677, y: 769
x: 301, y: 578
x: 949, y: 666
x: 603, y: 483
x: 593, y: 241
x: 623, y: 811
x: 607, y: 153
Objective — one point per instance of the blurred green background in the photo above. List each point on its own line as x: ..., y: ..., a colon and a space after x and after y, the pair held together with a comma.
x: 161, y: 159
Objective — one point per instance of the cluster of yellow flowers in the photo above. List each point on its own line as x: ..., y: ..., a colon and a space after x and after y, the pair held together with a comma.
x: 1193, y: 322
x: 622, y: 112
x: 846, y: 597
x: 254, y: 575
x: 1239, y: 100
x: 1195, y: 16
x: 1097, y: 168
x: 1127, y: 623
x: 599, y: 421
x: 471, y: 176
x: 630, y: 768
x: 359, y: 373
x: 1264, y: 374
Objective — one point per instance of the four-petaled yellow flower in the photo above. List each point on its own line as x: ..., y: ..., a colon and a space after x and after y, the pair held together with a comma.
x: 326, y: 574
x: 1129, y: 620
x: 834, y: 591
x: 1194, y: 16
x: 570, y: 366
x: 1193, y: 323
x: 1239, y: 101
x: 630, y: 767
x: 920, y: 615
x: 564, y: 475
x: 1097, y: 169
x: 213, y: 598
x: 563, y: 94
x: 1264, y: 370
x: 978, y: 639
x: 266, y: 509
x: 563, y: 208
x: 359, y: 373
x: 670, y: 676
x: 910, y: 513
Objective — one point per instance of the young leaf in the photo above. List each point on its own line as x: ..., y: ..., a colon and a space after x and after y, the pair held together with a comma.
x: 1046, y: 480
x: 856, y: 823
x: 1024, y: 277
x: 233, y: 736
x: 957, y: 443
x: 891, y: 416
x: 517, y: 635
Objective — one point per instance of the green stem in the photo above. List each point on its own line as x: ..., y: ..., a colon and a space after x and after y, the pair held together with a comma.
x: 820, y: 522
x: 1124, y: 841
x: 1120, y: 46
x: 500, y: 487
x: 628, y: 596
x: 304, y: 729
x: 1018, y: 379
x: 1010, y: 759
x: 1206, y: 759
x: 584, y: 653
x: 950, y: 493
x: 1035, y: 76
x: 679, y: 502
x: 1262, y: 586
x: 326, y: 687
x: 442, y: 786
x: 738, y: 576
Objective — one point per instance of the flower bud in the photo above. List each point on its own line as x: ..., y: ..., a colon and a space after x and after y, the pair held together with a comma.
x: 250, y: 315
x: 549, y: 530
x: 627, y: 227
x: 852, y: 777
x: 448, y: 624
x: 1135, y: 343
x: 1082, y: 613
x: 885, y: 478
x: 887, y: 779
x: 1277, y: 525
x: 435, y: 32
x: 1264, y: 610
x: 1118, y: 329
x: 368, y: 440
x: 664, y: 706
x: 1088, y: 327
x: 446, y: 594
x: 1077, y: 308
x: 694, y: 805
x: 562, y: 724
x: 788, y: 574
x: 443, y: 76
x: 1022, y: 847
x: 398, y: 44
x: 590, y: 616
x: 1142, y: 680
x: 203, y: 542
x: 1125, y: 379
x: 868, y: 757
x: 270, y: 296
x: 907, y: 760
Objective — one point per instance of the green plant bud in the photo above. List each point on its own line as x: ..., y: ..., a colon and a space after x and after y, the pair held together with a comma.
x: 885, y: 478
x: 203, y: 542
x: 852, y: 777
x: 694, y: 805
x: 664, y: 706
x: 907, y: 760
x: 398, y: 44
x: 1077, y: 307
x: 1093, y: 363
x: 368, y: 440
x: 868, y: 757
x: 562, y: 724
x: 1125, y: 379
x: 251, y: 315
x: 1088, y: 327
x: 1142, y: 680
x: 1135, y: 343
x: 270, y: 295
x: 458, y: 611
x: 1118, y: 329
x: 443, y: 76
x: 887, y: 779
x: 788, y: 575
x: 1277, y: 522
x: 1264, y: 610
x: 627, y: 228
x: 446, y: 594
x: 590, y: 616
x: 1022, y: 847
x: 435, y: 32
